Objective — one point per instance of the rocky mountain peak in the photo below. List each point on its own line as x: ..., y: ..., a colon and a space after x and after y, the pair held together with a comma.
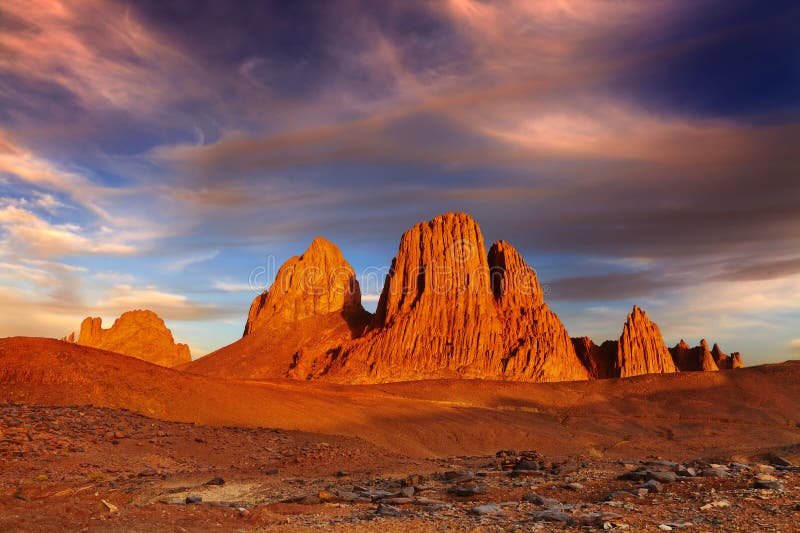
x: 641, y: 347
x: 140, y: 333
x: 319, y: 282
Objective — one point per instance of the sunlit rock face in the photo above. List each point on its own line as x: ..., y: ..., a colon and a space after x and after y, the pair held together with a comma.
x: 449, y: 308
x: 141, y: 334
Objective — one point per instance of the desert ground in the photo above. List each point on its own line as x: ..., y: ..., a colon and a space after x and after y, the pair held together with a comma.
x: 98, y: 441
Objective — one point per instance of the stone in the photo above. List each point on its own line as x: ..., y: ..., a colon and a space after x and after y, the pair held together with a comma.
x: 217, y: 481
x: 194, y: 499
x: 532, y: 497
x: 714, y: 472
x: 467, y: 490
x: 408, y: 492
x: 387, y: 510
x: 148, y: 472
x: 662, y: 476
x: 780, y: 461
x: 717, y: 504
x: 487, y: 509
x: 664, y: 527
x: 140, y: 333
x: 766, y: 481
x: 652, y: 486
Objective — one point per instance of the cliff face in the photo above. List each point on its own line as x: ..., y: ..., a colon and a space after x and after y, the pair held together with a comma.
x: 641, y: 348
x: 316, y: 283
x: 450, y: 309
x: 141, y: 334
x: 598, y: 360
x: 700, y: 358
x: 314, y: 306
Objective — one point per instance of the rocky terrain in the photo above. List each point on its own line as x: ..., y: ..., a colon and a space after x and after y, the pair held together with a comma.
x: 141, y: 334
x: 86, y: 468
x: 449, y: 309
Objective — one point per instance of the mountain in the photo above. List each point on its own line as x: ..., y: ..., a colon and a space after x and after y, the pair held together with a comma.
x: 700, y: 358
x: 598, y: 360
x: 314, y: 305
x: 141, y: 334
x: 449, y: 309
x: 641, y: 348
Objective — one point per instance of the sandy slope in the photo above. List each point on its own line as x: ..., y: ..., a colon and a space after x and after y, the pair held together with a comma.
x: 681, y: 415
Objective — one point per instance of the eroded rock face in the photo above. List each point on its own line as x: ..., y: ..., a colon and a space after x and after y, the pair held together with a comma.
x: 641, y: 348
x: 598, y: 360
x: 316, y: 283
x: 312, y: 308
x: 449, y: 309
x: 141, y: 334
x: 700, y: 358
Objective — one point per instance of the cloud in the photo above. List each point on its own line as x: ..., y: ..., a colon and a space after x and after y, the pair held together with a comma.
x: 24, y: 232
x: 794, y: 346
x: 228, y: 286
x: 95, y: 50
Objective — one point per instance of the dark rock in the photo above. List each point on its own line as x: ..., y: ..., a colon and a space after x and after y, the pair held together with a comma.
x: 215, y: 481
x: 661, y: 476
x: 532, y: 497
x: 652, y: 486
x: 387, y: 510
x: 486, y: 509
x: 193, y: 499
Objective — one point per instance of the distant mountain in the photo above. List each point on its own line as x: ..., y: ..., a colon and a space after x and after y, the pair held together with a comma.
x: 449, y: 309
x: 141, y: 334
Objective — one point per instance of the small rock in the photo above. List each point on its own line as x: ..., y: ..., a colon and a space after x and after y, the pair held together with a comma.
x: 715, y: 504
x: 777, y: 460
x: 652, y: 486
x: 408, y: 492
x: 110, y: 506
x: 664, y: 527
x: 662, y: 476
x: 387, y: 510
x: 193, y: 499
x: 342, y: 473
x: 532, y: 497
x: 215, y: 481
x: 714, y: 472
x: 486, y: 509
x: 525, y: 464
x: 574, y: 486
x: 147, y: 472
x: 466, y: 490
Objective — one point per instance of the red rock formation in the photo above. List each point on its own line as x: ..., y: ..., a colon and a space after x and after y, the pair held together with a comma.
x: 450, y: 310
x: 313, y: 307
x: 598, y: 360
x: 641, y: 348
x: 141, y: 334
x: 700, y: 358
x: 736, y: 360
x: 316, y: 283
x: 683, y: 357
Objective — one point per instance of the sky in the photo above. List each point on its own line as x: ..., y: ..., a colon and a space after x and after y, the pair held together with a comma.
x: 170, y: 155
